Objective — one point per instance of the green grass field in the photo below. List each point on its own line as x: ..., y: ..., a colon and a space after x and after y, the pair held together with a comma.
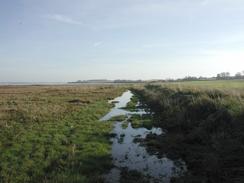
x: 53, y: 133
x: 216, y: 84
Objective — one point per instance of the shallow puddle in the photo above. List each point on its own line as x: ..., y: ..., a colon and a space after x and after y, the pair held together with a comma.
x: 129, y: 154
x: 121, y: 102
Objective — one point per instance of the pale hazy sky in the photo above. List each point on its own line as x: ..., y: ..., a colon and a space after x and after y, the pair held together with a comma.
x: 67, y: 40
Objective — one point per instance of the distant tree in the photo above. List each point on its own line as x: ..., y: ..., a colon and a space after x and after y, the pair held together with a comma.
x: 238, y: 75
x: 190, y: 78
x: 223, y: 75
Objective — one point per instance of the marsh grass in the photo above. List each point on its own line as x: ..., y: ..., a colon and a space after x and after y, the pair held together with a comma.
x: 44, y: 137
x: 119, y: 118
x: 132, y: 105
x: 205, y: 127
x: 141, y: 121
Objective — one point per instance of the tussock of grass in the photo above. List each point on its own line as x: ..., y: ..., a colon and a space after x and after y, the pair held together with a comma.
x: 118, y: 118
x: 139, y: 121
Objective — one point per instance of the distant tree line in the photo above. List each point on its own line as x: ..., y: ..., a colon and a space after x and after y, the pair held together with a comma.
x: 127, y: 81
x: 108, y: 81
x: 226, y: 75
x: 220, y: 76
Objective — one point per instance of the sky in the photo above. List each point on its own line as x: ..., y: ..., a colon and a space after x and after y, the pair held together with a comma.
x: 69, y: 40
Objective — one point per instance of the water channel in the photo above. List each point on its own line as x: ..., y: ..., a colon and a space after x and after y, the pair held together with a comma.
x: 129, y: 154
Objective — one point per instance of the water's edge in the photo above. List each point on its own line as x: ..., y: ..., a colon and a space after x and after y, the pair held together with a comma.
x: 130, y: 154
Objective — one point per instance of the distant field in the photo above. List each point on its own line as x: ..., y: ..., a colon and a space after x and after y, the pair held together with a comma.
x: 234, y: 87
x: 217, y: 84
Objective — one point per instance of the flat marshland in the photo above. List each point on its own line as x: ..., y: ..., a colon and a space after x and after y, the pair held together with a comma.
x: 53, y: 133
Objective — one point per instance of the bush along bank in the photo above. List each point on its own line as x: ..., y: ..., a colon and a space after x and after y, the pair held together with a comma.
x: 204, y: 127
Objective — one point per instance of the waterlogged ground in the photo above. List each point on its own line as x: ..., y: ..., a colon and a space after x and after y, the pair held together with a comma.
x: 129, y: 155
x: 53, y: 133
x: 120, y: 103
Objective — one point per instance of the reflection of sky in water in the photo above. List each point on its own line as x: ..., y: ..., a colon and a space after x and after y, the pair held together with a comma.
x: 128, y: 154
x: 135, y: 157
x: 121, y: 103
x: 123, y: 100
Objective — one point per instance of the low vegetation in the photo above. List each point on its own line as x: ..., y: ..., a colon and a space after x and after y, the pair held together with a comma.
x: 118, y: 118
x: 132, y: 105
x: 205, y: 127
x: 138, y: 121
x: 53, y: 133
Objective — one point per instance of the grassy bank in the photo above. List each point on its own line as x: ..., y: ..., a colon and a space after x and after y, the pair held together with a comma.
x: 205, y: 127
x: 52, y: 133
